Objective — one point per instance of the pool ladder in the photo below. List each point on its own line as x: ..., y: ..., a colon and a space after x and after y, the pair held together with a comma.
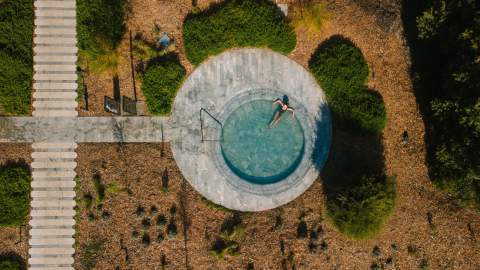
x: 215, y: 119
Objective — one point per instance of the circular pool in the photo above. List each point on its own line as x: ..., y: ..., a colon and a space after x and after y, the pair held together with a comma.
x: 256, y: 152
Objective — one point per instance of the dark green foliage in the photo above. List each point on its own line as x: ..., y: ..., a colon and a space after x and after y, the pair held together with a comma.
x: 16, y: 56
x: 146, y: 223
x: 341, y: 70
x: 140, y: 212
x: 90, y: 253
x: 9, y: 265
x: 146, y: 240
x: 15, y: 180
x: 161, y: 81
x: 302, y: 230
x: 172, y: 229
x: 12, y: 261
x: 236, y: 23
x: 444, y: 38
x: 100, y: 24
x: 360, y: 196
x: 135, y: 234
x: 161, y: 220
x: 376, y: 251
x: 360, y: 209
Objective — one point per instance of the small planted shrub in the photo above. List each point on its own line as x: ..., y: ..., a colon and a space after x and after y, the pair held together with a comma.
x: 341, y: 70
x: 226, y: 243
x: 16, y: 56
x: 160, y: 237
x: 15, y: 181
x: 153, y: 210
x: 105, y: 215
x: 302, y: 230
x: 135, y: 234
x: 236, y: 23
x: 172, y: 229
x: 423, y: 264
x: 90, y: 253
x: 140, y: 212
x: 360, y: 209
x: 161, y: 81
x: 376, y: 251
x: 146, y: 223
x: 146, y: 240
x: 223, y: 247
x: 161, y: 221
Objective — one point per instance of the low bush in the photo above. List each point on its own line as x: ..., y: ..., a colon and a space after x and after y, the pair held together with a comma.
x: 16, y: 56
x: 14, y: 193
x: 236, y: 23
x: 341, y: 70
x: 161, y: 81
x: 12, y: 261
x: 359, y: 209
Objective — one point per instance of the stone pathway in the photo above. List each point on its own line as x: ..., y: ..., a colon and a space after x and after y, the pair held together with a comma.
x: 53, y: 167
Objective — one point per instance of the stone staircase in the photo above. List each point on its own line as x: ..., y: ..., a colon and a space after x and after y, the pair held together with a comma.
x: 52, y: 207
x: 55, y: 57
x: 53, y: 167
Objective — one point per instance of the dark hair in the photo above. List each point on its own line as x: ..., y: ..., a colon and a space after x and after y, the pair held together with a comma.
x: 285, y: 99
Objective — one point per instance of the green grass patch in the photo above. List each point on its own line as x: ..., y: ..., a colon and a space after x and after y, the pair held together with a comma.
x: 100, y: 28
x: 236, y: 23
x: 15, y: 181
x: 161, y: 80
x: 359, y: 209
x: 16, y: 56
x: 341, y: 70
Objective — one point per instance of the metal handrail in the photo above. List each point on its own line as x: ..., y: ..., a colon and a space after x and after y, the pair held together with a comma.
x: 201, y: 124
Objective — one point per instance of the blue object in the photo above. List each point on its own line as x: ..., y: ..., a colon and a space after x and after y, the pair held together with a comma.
x: 257, y: 153
x: 164, y: 40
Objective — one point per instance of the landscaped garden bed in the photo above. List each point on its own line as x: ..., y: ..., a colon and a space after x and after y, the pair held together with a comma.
x: 133, y: 204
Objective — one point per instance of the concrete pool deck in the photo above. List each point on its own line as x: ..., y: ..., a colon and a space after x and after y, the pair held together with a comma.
x: 237, y: 76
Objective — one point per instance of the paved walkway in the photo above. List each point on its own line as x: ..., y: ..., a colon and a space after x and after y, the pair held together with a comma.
x: 53, y: 167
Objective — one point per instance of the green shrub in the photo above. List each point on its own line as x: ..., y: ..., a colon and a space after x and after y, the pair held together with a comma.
x: 341, y: 70
x: 236, y: 23
x: 161, y: 81
x: 100, y: 29
x: 9, y: 265
x: 444, y: 38
x: 14, y: 193
x: 359, y: 209
x: 16, y: 56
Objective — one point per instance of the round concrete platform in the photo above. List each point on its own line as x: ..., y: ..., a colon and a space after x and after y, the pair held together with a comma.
x: 218, y: 86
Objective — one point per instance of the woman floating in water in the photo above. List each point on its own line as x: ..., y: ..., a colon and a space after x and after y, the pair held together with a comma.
x: 284, y: 107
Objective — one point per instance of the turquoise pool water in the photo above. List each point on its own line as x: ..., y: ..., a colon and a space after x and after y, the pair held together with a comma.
x: 259, y: 154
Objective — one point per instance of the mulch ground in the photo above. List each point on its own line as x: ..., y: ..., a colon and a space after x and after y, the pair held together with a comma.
x: 14, y: 239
